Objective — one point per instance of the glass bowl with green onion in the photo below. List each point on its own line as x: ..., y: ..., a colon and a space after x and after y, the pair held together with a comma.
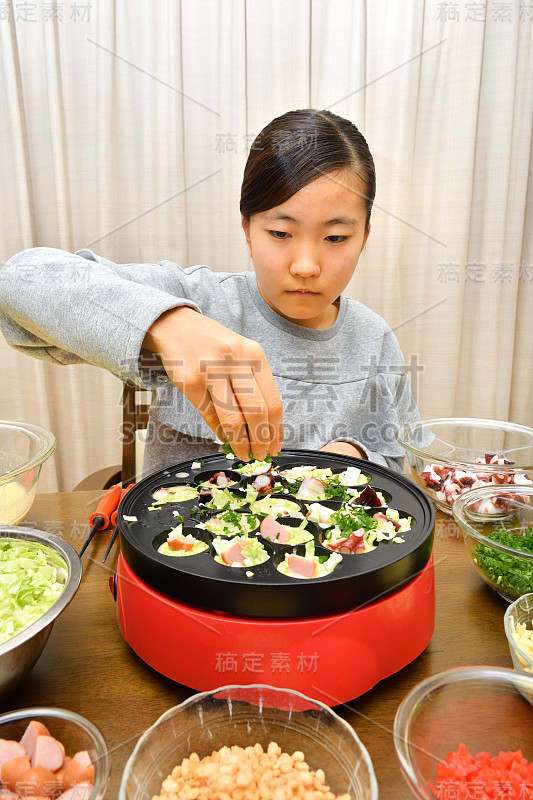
x: 497, y: 523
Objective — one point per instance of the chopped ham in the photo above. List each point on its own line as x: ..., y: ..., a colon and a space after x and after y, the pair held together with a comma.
x: 33, y: 730
x: 10, y: 749
x: 311, y: 489
x: 300, y: 567
x: 233, y: 554
x: 177, y: 541
x: 47, y: 753
x: 271, y: 529
x: 38, y: 781
x: 79, y: 769
x: 12, y: 770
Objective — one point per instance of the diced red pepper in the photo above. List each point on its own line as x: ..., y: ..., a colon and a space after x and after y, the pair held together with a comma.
x: 462, y: 776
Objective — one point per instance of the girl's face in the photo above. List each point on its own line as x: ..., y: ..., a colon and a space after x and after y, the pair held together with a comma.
x: 305, y: 250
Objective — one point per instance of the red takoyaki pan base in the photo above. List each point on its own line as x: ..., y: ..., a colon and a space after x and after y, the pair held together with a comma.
x: 332, y: 658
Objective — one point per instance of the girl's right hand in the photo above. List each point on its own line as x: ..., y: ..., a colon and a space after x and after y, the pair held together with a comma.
x: 225, y: 376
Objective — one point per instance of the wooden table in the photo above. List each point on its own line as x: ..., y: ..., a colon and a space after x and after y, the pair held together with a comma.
x: 87, y: 667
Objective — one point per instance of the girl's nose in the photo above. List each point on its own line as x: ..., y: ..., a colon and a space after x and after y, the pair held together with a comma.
x: 305, y: 263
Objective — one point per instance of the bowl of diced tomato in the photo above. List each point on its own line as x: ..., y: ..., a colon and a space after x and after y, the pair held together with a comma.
x: 468, y: 733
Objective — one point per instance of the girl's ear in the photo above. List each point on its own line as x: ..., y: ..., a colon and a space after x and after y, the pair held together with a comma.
x: 246, y: 228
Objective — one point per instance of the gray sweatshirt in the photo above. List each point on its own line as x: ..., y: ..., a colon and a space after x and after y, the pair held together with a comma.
x: 347, y: 382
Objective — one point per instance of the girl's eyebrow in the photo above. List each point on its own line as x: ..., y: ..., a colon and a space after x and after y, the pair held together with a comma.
x: 274, y: 216
x: 278, y: 215
x: 341, y: 221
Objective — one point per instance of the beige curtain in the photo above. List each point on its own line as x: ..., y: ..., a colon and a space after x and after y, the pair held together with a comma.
x: 125, y: 127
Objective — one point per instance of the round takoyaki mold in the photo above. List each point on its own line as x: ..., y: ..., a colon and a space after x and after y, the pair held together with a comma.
x: 262, y: 590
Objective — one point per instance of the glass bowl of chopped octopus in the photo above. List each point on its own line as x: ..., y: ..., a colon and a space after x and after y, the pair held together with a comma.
x: 468, y: 733
x: 249, y: 741
x: 497, y: 525
x: 448, y: 457
x: 518, y: 623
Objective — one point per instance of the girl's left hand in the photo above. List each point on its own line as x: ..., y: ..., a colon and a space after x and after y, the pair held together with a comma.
x: 344, y: 449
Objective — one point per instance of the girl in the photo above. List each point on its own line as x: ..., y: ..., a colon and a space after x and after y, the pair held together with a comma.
x: 232, y: 353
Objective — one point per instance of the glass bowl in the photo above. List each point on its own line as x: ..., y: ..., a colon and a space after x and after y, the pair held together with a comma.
x: 520, y: 613
x: 488, y: 709
x: 23, y: 450
x: 244, y: 716
x: 502, y: 513
x: 75, y: 733
x: 19, y: 653
x: 442, y: 455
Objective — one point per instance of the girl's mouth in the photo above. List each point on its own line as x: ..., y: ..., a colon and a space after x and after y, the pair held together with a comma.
x: 302, y: 293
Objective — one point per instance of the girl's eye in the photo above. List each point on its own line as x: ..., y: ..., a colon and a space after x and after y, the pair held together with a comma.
x: 336, y: 239
x: 279, y: 234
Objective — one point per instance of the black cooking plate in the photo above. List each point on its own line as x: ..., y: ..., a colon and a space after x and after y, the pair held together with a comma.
x: 201, y: 581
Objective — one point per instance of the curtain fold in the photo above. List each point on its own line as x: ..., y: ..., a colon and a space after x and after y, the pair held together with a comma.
x: 125, y: 128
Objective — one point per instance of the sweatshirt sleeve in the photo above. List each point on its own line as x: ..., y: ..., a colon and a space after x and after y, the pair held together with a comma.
x: 71, y: 308
x: 384, y: 407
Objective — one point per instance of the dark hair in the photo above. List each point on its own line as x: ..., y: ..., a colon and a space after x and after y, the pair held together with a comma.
x: 297, y: 148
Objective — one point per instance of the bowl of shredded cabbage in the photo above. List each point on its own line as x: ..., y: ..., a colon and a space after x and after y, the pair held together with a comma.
x: 39, y: 576
x: 23, y: 450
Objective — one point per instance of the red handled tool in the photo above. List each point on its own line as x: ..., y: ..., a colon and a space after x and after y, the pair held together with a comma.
x: 101, y: 518
x: 114, y: 523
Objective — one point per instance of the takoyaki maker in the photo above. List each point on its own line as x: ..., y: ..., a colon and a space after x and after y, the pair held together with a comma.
x: 186, y: 616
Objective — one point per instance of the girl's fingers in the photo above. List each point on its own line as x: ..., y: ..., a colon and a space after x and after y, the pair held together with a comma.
x: 226, y: 377
x: 219, y: 408
x: 254, y: 411
x: 274, y: 405
x: 230, y: 416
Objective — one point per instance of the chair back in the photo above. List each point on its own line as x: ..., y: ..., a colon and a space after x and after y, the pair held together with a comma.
x: 135, y: 406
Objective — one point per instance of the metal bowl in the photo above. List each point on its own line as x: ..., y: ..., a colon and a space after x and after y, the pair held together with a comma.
x: 19, y: 654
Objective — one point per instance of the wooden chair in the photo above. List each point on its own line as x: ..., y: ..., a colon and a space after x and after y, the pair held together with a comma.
x: 135, y: 405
